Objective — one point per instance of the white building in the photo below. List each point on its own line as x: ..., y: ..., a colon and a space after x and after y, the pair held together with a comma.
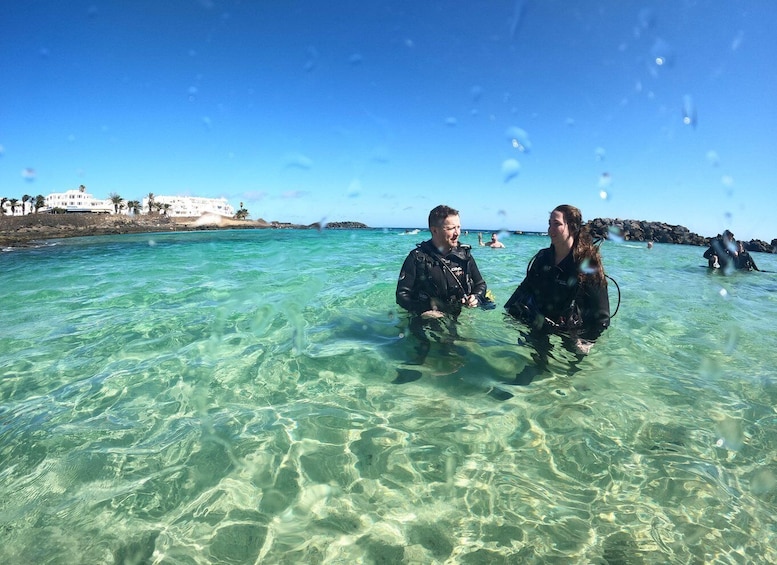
x: 190, y: 206
x: 77, y: 200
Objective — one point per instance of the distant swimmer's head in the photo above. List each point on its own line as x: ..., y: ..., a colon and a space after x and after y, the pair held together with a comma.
x: 445, y: 225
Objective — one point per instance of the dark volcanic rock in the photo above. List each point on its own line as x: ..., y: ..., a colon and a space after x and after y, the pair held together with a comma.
x: 641, y: 230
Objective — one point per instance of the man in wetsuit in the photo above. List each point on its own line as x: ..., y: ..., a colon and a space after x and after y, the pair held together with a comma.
x: 440, y: 275
x: 438, y: 278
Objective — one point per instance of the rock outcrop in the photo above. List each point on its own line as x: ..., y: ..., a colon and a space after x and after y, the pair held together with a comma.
x: 660, y: 232
x: 23, y: 230
x: 641, y: 230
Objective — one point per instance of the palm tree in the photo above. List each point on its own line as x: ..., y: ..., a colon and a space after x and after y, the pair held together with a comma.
x: 3, y: 200
x: 165, y: 208
x: 134, y: 206
x: 40, y: 202
x: 242, y: 213
x: 25, y: 199
x: 116, y: 200
x: 150, y: 201
x: 158, y: 207
x: 14, y: 202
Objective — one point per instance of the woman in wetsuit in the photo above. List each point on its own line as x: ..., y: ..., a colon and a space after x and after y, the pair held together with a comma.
x: 565, y: 289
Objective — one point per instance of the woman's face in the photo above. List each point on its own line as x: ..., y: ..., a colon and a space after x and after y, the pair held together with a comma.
x: 558, y: 230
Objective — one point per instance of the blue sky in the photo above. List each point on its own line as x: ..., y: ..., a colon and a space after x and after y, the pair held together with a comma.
x: 378, y: 111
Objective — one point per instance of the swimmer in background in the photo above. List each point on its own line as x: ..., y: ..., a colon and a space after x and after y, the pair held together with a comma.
x: 494, y: 243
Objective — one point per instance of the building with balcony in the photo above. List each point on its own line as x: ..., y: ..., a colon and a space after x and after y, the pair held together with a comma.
x: 77, y: 200
x: 188, y: 206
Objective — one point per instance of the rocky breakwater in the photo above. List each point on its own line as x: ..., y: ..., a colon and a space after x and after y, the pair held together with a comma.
x: 640, y: 230
x: 660, y: 232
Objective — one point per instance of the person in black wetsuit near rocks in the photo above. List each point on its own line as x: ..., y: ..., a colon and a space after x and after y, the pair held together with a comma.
x: 744, y: 260
x: 439, y: 278
x: 565, y: 289
x: 722, y: 251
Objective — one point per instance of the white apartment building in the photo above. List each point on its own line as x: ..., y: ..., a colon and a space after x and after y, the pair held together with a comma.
x: 190, y: 206
x: 77, y: 200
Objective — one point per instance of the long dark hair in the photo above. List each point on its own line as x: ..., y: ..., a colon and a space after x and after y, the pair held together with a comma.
x: 585, y: 253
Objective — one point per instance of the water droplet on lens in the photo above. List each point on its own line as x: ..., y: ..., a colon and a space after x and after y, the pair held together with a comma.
x: 662, y: 53
x: 298, y: 161
x: 586, y: 267
x: 600, y: 153
x: 615, y: 234
x: 519, y: 139
x: 28, y: 174
x: 451, y: 121
x: 510, y: 169
x: 689, y: 111
x: 354, y: 189
x: 732, y: 339
x: 646, y: 18
x: 713, y: 158
x: 737, y: 40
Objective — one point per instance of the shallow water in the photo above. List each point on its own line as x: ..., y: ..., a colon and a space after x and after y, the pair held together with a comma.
x: 227, y: 397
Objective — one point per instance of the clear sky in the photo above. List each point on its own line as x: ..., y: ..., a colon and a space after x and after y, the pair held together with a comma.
x: 377, y: 111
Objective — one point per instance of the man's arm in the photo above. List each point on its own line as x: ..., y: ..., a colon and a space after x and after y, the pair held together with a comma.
x: 405, y: 284
x: 478, y: 284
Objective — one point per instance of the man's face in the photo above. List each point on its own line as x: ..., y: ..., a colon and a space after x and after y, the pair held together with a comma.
x: 446, y: 236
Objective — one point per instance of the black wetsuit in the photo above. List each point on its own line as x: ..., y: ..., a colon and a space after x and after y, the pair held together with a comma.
x: 723, y: 250
x: 745, y: 262
x: 552, y: 298
x: 428, y: 277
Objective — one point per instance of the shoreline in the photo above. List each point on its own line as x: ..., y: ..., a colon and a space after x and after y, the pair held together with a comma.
x: 27, y: 230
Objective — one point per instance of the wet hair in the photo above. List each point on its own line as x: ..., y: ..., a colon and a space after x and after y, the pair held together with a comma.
x: 439, y: 213
x: 584, y: 252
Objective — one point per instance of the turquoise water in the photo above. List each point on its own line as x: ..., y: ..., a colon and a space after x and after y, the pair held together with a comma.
x: 227, y: 397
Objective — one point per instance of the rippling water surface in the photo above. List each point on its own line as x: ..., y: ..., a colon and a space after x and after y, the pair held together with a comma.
x: 227, y: 397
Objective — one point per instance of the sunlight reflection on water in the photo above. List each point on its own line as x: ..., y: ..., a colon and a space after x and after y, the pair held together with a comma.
x: 227, y: 397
